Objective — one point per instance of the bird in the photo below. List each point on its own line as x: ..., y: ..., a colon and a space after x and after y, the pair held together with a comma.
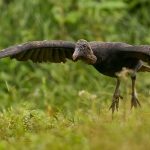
x: 108, y: 58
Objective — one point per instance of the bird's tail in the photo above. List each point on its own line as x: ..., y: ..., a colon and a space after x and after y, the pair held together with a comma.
x: 144, y: 68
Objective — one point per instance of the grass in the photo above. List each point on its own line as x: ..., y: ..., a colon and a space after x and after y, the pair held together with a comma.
x: 25, y: 127
x: 42, y: 110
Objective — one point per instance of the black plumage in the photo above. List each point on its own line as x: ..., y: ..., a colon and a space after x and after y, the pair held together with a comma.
x: 109, y: 58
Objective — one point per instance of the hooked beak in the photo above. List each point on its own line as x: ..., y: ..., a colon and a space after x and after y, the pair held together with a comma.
x: 75, y: 54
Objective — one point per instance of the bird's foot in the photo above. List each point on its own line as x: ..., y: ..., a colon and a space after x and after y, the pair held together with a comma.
x: 135, y: 102
x: 115, y: 102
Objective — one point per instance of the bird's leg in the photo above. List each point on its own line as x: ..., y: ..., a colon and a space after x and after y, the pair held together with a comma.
x: 134, y: 100
x: 116, y: 97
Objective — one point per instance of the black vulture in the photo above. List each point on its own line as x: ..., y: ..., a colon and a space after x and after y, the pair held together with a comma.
x: 109, y: 58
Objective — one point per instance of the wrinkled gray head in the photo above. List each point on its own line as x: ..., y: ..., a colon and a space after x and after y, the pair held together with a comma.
x: 84, y: 52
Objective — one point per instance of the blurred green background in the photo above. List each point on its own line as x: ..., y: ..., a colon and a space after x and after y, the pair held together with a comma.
x: 73, y: 93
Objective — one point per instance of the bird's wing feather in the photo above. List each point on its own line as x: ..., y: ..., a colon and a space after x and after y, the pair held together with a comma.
x: 41, y: 51
x: 141, y: 52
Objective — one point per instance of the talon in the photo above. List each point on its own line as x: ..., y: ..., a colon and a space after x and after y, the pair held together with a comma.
x: 115, y: 103
x: 135, y: 102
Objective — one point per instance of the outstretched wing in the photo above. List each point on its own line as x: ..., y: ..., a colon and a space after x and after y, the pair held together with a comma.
x: 141, y: 52
x: 40, y: 51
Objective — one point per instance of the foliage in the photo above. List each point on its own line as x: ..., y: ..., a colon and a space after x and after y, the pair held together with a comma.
x: 65, y: 106
x: 108, y: 20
